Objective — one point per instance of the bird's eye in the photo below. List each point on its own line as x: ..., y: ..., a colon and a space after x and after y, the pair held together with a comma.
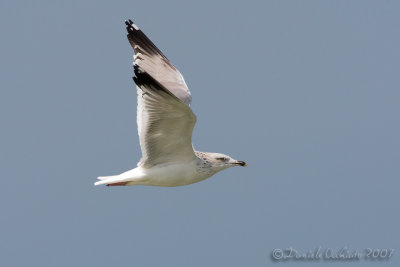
x: 222, y: 159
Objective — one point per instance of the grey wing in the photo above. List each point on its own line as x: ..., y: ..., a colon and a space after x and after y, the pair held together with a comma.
x: 152, y: 61
x: 165, y: 120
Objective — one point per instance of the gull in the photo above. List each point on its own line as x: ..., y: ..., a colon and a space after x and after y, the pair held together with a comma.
x: 165, y: 124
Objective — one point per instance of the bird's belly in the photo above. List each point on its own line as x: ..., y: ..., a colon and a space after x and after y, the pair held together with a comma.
x: 173, y: 175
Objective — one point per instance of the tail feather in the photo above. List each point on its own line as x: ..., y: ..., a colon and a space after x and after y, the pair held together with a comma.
x: 106, y: 177
x: 110, y: 180
x: 121, y: 179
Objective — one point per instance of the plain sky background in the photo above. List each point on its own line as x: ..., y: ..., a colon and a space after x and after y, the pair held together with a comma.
x: 306, y: 92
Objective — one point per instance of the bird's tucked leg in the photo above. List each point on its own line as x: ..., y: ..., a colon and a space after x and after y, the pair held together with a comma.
x: 117, y: 184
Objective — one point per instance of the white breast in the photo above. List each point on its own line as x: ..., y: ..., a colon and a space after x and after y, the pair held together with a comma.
x: 173, y: 175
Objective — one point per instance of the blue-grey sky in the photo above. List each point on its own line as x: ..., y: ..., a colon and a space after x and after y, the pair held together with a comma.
x: 306, y: 92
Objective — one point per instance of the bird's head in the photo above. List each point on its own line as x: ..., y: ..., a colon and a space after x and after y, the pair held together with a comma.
x: 220, y: 161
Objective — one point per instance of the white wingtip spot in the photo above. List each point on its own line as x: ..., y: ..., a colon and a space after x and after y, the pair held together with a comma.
x: 137, y: 62
x: 134, y: 26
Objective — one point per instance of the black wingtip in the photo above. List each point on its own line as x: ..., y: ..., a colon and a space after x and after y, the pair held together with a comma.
x: 130, y: 26
x: 137, y: 37
x: 130, y: 23
x: 135, y: 80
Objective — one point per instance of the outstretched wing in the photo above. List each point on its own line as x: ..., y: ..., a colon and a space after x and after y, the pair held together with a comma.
x: 153, y: 62
x: 165, y: 120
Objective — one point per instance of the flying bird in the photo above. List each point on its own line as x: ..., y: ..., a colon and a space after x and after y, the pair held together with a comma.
x: 165, y: 124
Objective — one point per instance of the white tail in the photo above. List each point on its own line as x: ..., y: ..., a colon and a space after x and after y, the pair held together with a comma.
x: 125, y: 177
x: 109, y: 179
